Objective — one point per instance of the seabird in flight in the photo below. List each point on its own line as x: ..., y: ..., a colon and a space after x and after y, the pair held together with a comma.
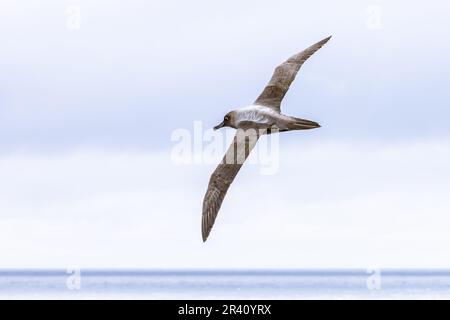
x: 262, y: 117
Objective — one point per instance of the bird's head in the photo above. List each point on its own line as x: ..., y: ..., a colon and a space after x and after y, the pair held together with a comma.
x: 228, y: 121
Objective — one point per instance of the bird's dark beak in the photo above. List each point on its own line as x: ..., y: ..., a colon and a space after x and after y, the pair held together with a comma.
x: 219, y: 126
x: 306, y: 124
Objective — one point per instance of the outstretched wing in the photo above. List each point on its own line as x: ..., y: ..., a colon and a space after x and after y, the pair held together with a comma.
x: 223, y: 176
x: 283, y: 76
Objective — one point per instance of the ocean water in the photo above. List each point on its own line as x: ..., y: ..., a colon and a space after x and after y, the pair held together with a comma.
x: 224, y: 284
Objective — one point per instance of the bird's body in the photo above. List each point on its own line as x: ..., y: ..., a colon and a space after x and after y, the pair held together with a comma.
x: 262, y: 117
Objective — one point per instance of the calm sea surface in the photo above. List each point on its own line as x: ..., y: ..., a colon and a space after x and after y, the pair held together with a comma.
x: 225, y: 284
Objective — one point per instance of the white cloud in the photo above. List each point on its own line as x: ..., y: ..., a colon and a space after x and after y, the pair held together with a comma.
x: 333, y: 205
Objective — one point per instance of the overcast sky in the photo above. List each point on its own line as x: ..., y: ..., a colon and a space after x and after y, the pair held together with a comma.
x: 88, y: 105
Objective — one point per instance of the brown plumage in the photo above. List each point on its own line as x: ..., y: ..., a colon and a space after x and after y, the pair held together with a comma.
x: 264, y: 116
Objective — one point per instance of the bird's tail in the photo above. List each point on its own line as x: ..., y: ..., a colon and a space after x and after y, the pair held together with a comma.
x: 302, y: 124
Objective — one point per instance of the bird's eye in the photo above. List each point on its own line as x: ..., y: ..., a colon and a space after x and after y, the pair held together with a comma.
x: 226, y: 118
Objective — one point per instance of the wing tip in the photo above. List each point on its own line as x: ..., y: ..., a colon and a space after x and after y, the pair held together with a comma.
x: 205, y: 235
x: 326, y: 40
x: 205, y: 229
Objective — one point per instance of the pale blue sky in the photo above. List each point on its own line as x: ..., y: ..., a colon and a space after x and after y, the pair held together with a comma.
x: 135, y: 70
x: 86, y: 118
